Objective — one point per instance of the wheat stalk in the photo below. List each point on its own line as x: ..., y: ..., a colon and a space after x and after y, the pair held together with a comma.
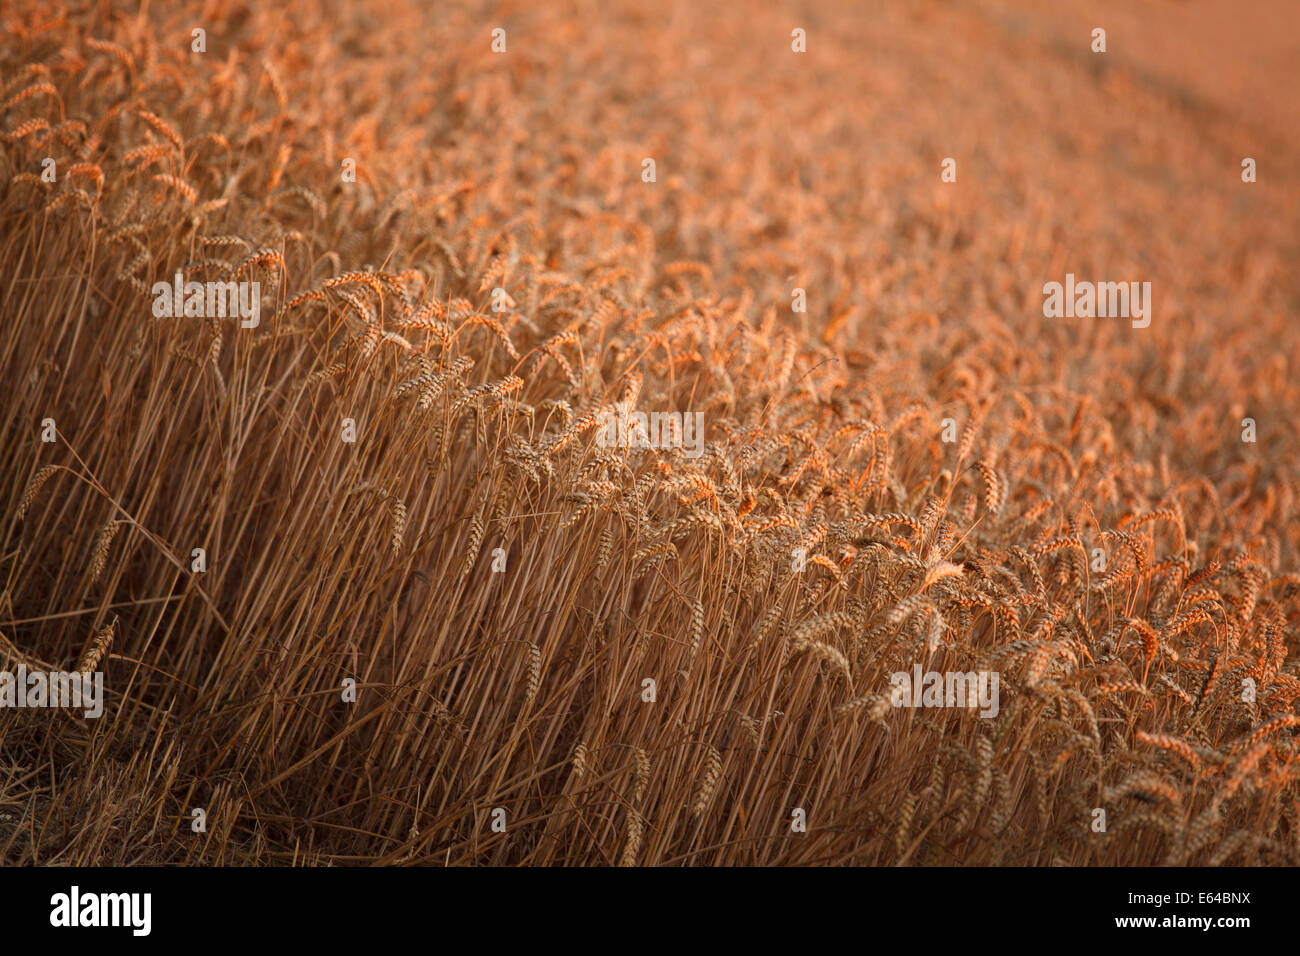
x: 97, y: 647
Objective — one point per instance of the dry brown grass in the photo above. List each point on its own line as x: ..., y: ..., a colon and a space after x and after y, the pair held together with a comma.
x: 477, y: 431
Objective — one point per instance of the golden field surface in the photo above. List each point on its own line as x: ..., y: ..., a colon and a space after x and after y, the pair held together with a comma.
x: 365, y: 582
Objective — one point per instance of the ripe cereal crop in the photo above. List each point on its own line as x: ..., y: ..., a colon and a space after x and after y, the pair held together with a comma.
x: 351, y: 537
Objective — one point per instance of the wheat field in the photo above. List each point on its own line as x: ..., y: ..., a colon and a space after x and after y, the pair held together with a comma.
x: 367, y: 585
